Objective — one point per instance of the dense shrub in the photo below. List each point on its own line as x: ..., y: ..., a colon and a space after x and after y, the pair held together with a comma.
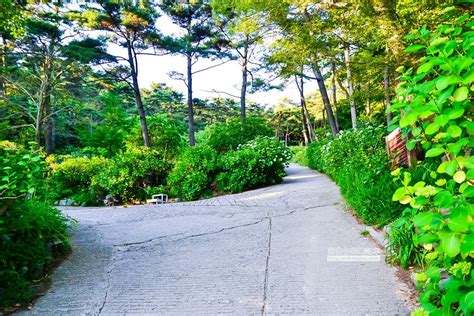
x: 194, y: 173
x: 32, y: 236
x: 21, y: 173
x: 298, y: 155
x: 72, y: 178
x: 31, y: 233
x: 129, y: 176
x: 435, y: 102
x: 228, y: 136
x: 358, y: 162
x: 166, y: 135
x: 254, y: 164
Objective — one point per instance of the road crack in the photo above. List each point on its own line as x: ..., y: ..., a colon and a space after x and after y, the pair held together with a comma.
x: 151, y: 240
x: 267, y: 263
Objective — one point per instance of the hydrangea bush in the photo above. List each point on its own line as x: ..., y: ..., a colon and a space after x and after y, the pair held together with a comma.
x: 435, y: 102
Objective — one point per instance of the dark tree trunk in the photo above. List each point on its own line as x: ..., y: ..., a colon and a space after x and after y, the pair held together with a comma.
x: 192, y: 140
x: 347, y: 55
x: 388, y: 98
x: 243, y: 89
x: 308, y: 123
x: 369, y: 105
x: 4, y: 65
x: 306, y: 135
x: 334, y: 92
x: 38, y: 129
x: 132, y: 60
x: 48, y: 126
x: 325, y: 97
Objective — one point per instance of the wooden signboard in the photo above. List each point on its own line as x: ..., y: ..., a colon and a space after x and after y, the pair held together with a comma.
x: 397, y: 149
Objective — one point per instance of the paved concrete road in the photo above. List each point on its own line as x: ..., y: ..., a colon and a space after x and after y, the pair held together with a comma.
x: 281, y: 250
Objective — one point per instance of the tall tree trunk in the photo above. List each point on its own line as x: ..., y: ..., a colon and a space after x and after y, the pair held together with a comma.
x: 308, y: 122
x: 309, y: 126
x: 48, y: 126
x: 132, y: 60
x: 38, y: 130
x: 192, y: 140
x: 43, y: 100
x: 306, y: 135
x: 386, y: 85
x: 347, y: 56
x: 325, y: 97
x: 369, y: 106
x: 334, y: 91
x: 324, y: 120
x: 46, y: 102
x: 4, y: 66
x: 243, y: 89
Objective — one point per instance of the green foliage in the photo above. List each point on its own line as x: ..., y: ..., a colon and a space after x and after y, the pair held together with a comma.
x: 72, y: 178
x: 12, y: 19
x: 129, y: 175
x: 108, y: 136
x: 228, y: 136
x: 166, y: 134
x: 21, y: 172
x: 402, y: 248
x: 357, y: 161
x: 255, y: 164
x: 194, y: 173
x: 32, y: 236
x: 298, y: 155
x: 435, y: 100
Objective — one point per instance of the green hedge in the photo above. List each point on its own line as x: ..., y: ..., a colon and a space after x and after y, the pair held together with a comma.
x: 194, y: 173
x: 128, y: 176
x: 255, y: 164
x: 32, y: 234
x: 357, y: 161
x: 227, y: 136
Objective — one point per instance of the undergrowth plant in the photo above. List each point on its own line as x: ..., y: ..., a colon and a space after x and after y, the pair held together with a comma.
x: 32, y: 234
x: 255, y: 164
x: 357, y: 161
x: 435, y: 102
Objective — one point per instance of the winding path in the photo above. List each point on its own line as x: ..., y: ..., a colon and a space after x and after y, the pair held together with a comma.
x: 289, y: 249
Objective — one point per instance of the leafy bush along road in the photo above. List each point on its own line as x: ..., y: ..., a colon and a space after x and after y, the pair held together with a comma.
x: 357, y: 161
x: 244, y: 159
x: 264, y: 249
x: 435, y: 102
x: 32, y: 234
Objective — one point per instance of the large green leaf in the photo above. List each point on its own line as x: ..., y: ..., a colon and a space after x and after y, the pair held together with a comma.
x: 409, y: 119
x: 455, y: 113
x: 434, y: 152
x: 461, y: 94
x: 459, y: 176
x: 445, y: 81
x: 451, y: 167
x: 414, y: 48
x: 423, y: 219
x: 399, y: 193
x: 450, y: 243
x: 454, y: 131
x: 458, y: 224
x: 468, y: 244
x: 468, y: 302
x: 423, y: 68
x: 432, y: 128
